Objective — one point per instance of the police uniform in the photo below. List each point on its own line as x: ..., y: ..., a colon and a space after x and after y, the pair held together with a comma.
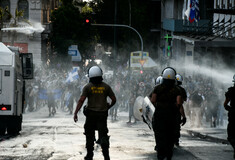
x: 164, y: 119
x: 96, y: 114
x: 183, y: 93
x: 230, y: 94
x: 178, y: 127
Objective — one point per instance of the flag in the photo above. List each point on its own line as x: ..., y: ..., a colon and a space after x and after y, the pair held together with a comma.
x: 187, y: 8
x: 57, y: 93
x: 68, y: 95
x: 73, y: 75
x: 194, y: 11
x: 42, y: 94
x: 197, y: 14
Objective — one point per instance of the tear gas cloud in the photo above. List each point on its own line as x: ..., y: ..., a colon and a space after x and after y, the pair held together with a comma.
x: 216, y: 77
x: 212, y: 67
x: 222, y: 75
x: 216, y: 70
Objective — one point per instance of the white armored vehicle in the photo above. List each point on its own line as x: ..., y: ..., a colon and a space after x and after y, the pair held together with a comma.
x: 14, y: 68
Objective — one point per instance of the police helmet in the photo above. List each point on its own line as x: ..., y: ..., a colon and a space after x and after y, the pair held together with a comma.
x: 158, y: 80
x: 179, y: 78
x: 169, y: 73
x: 95, y: 71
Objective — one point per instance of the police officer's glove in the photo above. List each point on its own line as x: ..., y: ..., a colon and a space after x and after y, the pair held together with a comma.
x: 227, y: 107
x: 183, y: 121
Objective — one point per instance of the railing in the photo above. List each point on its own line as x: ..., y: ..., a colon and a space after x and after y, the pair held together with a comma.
x: 180, y: 25
x: 203, y: 29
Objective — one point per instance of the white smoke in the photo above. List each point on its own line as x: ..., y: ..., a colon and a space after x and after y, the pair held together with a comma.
x: 24, y: 28
x: 221, y: 75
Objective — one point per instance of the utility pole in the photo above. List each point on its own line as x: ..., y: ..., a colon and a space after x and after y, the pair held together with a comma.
x: 115, y: 30
x: 129, y: 12
x: 126, y: 26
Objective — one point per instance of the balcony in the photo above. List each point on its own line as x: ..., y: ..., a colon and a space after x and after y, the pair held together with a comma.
x: 180, y: 25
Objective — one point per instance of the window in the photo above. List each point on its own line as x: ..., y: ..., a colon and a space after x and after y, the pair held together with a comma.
x: 221, y: 4
x: 216, y: 4
x: 228, y: 4
x: 231, y: 4
x: 45, y: 11
x: 4, y: 4
x: 24, y: 5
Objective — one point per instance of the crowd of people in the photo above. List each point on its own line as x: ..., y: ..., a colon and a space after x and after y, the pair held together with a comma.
x: 49, y: 88
x: 203, y: 100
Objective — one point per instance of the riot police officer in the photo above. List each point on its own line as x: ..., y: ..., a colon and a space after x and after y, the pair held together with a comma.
x: 181, y: 115
x: 230, y: 97
x: 96, y: 111
x: 158, y: 80
x: 166, y: 99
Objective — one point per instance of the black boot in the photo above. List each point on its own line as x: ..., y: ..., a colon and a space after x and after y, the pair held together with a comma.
x: 89, y: 155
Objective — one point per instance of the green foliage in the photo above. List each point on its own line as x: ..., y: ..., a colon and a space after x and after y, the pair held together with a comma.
x: 69, y: 29
x: 1, y: 13
x: 18, y: 14
x: 86, y: 9
x: 135, y: 13
x: 5, y: 14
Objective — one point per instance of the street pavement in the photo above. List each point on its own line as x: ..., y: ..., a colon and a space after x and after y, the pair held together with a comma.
x: 216, y: 134
x: 59, y: 138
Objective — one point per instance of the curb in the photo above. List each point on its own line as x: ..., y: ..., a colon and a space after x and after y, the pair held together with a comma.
x: 207, y: 137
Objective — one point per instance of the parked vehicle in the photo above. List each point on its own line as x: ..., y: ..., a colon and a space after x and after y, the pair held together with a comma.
x: 14, y: 69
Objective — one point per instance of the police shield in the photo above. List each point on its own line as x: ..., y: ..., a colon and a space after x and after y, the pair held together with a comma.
x: 138, y: 108
x: 148, y: 110
x: 143, y: 110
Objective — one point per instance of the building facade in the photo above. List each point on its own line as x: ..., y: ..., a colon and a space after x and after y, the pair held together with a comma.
x: 208, y: 40
x: 36, y: 14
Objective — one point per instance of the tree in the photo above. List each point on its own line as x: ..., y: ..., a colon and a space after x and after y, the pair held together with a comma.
x: 68, y: 28
x: 18, y: 15
x: 68, y: 25
x: 126, y: 39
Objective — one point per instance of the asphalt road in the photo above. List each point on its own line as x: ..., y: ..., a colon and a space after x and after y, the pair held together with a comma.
x: 59, y: 138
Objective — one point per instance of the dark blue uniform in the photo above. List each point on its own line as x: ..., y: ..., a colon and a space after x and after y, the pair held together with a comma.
x: 165, y: 119
x: 230, y: 95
